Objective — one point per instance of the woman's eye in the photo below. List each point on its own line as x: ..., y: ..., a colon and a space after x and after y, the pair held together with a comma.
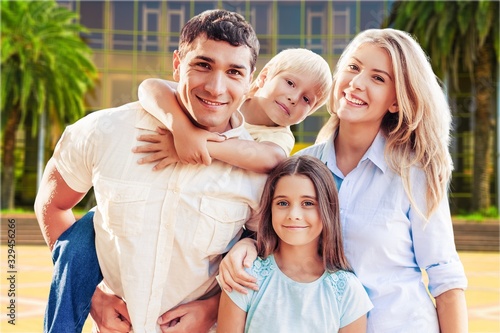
x: 353, y: 67
x: 379, y: 78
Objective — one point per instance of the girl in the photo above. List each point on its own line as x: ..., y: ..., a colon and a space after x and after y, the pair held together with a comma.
x: 306, y: 284
x: 291, y: 86
x: 386, y: 144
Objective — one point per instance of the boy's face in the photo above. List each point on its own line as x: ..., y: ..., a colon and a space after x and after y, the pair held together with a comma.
x: 213, y: 77
x: 287, y: 98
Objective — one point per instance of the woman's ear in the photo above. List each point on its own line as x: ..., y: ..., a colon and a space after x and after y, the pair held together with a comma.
x: 394, y: 108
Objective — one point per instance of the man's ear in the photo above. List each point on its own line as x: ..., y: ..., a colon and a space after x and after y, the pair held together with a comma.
x: 394, y: 108
x: 176, y: 64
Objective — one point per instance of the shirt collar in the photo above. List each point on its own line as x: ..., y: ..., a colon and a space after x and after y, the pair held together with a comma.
x: 375, y: 153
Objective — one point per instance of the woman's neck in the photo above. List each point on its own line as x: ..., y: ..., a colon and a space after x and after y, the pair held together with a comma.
x: 351, y: 144
x: 299, y: 264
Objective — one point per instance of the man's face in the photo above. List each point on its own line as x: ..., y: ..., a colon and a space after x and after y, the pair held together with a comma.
x: 213, y: 77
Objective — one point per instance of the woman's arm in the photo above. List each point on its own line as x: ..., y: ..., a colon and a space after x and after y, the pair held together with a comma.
x: 452, y: 311
x: 231, y: 318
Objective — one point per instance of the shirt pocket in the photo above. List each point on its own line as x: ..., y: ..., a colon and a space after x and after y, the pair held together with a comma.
x: 122, y: 205
x: 220, y: 221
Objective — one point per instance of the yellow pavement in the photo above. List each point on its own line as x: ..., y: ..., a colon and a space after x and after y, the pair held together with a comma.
x: 33, y: 267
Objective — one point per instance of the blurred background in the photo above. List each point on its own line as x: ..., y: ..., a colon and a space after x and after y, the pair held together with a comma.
x: 61, y: 60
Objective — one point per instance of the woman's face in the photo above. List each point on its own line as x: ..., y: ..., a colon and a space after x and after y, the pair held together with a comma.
x: 364, y: 89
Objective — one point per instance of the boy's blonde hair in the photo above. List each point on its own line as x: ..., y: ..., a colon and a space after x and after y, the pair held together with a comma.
x: 419, y: 133
x: 302, y: 62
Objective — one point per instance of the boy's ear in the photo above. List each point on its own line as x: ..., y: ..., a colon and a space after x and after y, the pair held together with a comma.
x: 176, y: 63
x: 261, y: 79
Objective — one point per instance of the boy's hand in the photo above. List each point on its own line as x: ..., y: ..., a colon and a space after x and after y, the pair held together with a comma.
x: 160, y: 148
x: 191, y: 145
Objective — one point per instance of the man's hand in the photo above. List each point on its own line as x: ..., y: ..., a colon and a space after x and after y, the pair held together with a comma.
x: 194, y: 317
x: 109, y: 313
x: 231, y: 270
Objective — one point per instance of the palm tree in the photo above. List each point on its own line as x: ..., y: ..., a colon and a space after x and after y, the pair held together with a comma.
x: 45, y: 70
x: 458, y: 36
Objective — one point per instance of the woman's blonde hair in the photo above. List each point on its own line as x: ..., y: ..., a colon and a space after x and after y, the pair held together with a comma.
x: 419, y: 133
x: 302, y: 62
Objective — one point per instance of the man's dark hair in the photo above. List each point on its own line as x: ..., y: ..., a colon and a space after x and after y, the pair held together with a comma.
x: 220, y: 25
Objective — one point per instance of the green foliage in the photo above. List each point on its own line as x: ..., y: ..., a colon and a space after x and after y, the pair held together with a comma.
x: 485, y: 214
x: 450, y: 31
x: 45, y: 64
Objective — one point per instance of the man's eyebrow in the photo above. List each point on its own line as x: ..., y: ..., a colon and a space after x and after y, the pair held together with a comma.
x: 375, y: 69
x: 212, y: 61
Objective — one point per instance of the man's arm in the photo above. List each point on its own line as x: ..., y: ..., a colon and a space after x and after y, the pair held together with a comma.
x: 53, y: 204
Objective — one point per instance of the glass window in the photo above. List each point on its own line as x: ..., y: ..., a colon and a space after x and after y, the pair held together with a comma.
x: 92, y: 17
x: 201, y: 6
x: 123, y: 20
x: 177, y: 16
x: 260, y: 19
x: 149, y: 25
x: 344, y: 24
x: 372, y: 14
x: 289, y: 21
x: 316, y: 25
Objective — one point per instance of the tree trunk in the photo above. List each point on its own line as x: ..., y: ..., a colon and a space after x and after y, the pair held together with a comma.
x: 8, y: 160
x: 483, y: 143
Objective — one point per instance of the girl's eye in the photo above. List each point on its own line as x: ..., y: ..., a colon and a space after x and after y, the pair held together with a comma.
x: 282, y: 203
x: 308, y: 203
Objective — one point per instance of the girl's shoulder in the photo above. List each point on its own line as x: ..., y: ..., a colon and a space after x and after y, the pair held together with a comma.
x: 263, y: 267
x: 343, y: 282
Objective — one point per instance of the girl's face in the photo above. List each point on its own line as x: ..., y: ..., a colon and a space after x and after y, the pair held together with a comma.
x: 295, y: 212
x: 365, y: 89
x: 286, y: 98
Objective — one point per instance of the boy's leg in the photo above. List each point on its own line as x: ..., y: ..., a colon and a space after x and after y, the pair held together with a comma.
x: 75, y: 278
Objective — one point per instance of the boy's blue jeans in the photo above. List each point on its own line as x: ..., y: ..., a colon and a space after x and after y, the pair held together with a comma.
x: 75, y: 278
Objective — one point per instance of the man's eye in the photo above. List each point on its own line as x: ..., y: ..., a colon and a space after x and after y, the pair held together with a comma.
x: 234, y: 72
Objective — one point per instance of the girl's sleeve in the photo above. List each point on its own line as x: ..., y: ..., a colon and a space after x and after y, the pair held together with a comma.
x: 243, y: 301
x: 354, y: 300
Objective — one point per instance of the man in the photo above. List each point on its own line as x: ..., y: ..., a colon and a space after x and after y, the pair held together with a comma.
x: 159, y: 235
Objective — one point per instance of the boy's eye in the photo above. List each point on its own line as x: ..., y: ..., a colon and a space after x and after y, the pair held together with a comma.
x: 290, y: 83
x: 307, y: 100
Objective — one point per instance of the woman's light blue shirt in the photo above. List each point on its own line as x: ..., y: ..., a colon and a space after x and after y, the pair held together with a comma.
x: 387, y: 242
x: 283, y: 305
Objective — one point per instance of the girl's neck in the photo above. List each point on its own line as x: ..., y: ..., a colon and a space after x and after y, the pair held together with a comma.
x: 298, y: 264
x: 254, y: 113
x: 351, y: 144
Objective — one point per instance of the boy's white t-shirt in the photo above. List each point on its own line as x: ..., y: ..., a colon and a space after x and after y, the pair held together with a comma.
x: 282, y: 136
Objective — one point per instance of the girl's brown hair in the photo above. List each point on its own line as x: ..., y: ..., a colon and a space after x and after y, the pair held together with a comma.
x: 330, y: 247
